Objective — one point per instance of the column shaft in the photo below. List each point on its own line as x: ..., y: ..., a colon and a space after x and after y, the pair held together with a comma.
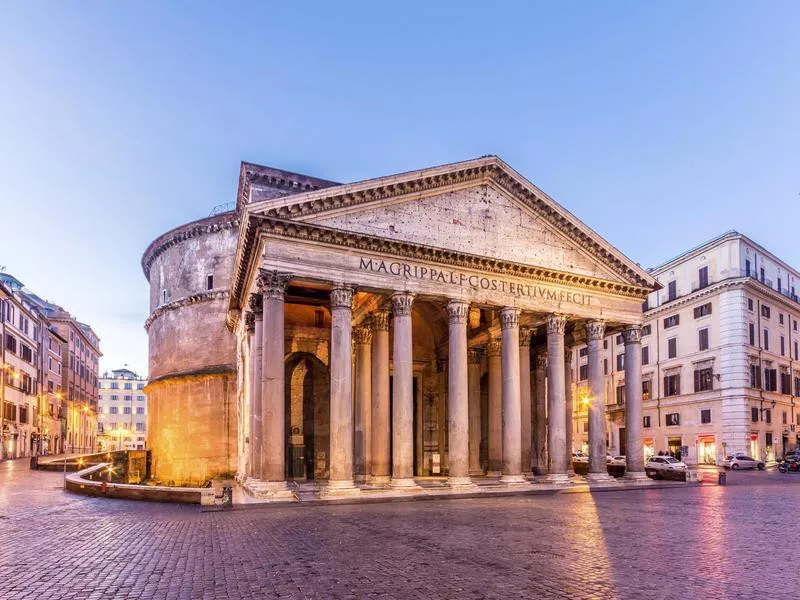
x: 512, y: 404
x: 634, y: 450
x: 341, y: 366
x: 273, y: 408
x: 526, y: 413
x: 457, y: 395
x: 539, y: 450
x: 556, y: 412
x: 402, y: 393
x: 474, y: 385
x: 362, y: 337
x: 495, y: 416
x: 256, y: 433
x: 381, y: 444
x: 568, y: 405
x: 598, y: 469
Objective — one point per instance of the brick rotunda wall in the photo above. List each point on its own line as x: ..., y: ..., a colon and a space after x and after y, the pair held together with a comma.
x: 191, y: 396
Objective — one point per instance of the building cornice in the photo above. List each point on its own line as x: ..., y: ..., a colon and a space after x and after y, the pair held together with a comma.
x: 185, y: 232
x: 176, y: 304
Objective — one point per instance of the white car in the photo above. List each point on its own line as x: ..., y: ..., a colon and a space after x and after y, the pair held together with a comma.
x: 740, y: 461
x: 580, y: 458
x: 617, y: 461
x: 663, y: 466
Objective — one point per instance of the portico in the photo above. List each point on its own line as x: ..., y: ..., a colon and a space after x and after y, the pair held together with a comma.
x: 414, y: 296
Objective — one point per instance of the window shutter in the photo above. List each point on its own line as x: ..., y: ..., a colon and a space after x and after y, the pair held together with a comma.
x: 666, y: 387
x: 697, y: 381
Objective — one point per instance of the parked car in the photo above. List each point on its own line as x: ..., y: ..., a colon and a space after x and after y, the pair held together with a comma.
x: 739, y: 461
x: 790, y: 464
x: 580, y: 457
x: 659, y: 467
x: 617, y: 461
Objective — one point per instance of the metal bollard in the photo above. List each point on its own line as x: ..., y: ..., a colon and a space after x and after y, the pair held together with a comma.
x: 723, y: 478
x: 227, y: 496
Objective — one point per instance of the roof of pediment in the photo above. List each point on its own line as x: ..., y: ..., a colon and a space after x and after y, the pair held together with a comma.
x: 305, y: 206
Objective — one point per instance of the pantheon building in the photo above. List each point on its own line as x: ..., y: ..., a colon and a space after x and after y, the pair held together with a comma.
x: 380, y: 333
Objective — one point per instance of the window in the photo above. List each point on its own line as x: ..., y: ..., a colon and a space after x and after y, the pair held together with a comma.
x: 209, y: 282
x: 115, y: 396
x: 646, y: 330
x: 605, y: 366
x: 672, y: 384
x: 755, y: 376
x: 140, y: 398
x: 780, y: 318
x: 163, y: 296
x: 671, y: 321
x: 140, y: 410
x: 785, y: 417
x: 583, y: 372
x: 140, y: 427
x: 672, y: 290
x: 763, y: 275
x: 797, y: 386
x: 703, y: 339
x: 646, y: 421
x: 26, y: 353
x: 620, y: 395
x: 583, y: 352
x: 752, y: 334
x: 605, y: 344
x: 646, y: 386
x: 705, y: 416
x: 794, y: 324
x: 747, y: 268
x: 620, y: 362
x: 780, y: 284
x: 646, y: 355
x: 770, y: 380
x: 126, y: 410
x: 795, y: 351
x: 703, y: 380
x: 672, y: 347
x: 128, y: 398
x: 766, y: 339
x: 673, y: 419
x: 11, y: 343
x: 765, y: 311
x: 783, y: 346
x: 139, y: 386
x: 114, y: 385
x: 128, y: 386
x: 620, y: 340
x: 113, y: 410
x: 786, y: 383
x: 750, y: 304
x: 702, y: 276
x: 702, y: 311
x: 768, y: 415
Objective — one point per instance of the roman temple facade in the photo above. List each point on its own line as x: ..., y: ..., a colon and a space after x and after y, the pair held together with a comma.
x: 375, y: 333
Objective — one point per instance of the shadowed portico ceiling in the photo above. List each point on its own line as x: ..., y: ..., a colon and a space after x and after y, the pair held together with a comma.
x: 290, y: 216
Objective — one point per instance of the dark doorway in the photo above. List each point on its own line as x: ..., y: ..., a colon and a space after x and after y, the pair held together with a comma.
x: 307, y: 394
x: 623, y: 446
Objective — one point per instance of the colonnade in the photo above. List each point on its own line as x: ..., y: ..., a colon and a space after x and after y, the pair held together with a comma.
x: 529, y: 422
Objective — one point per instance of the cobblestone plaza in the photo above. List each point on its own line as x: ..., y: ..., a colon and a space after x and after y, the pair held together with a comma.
x: 705, y: 542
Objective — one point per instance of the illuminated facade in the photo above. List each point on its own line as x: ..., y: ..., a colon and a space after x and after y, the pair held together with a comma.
x: 375, y: 332
x: 122, y: 411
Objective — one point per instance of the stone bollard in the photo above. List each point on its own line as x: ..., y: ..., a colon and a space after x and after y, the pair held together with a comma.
x: 723, y: 478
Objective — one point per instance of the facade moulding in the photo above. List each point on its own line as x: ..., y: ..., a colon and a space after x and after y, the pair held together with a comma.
x: 176, y: 304
x: 184, y: 232
x: 220, y: 371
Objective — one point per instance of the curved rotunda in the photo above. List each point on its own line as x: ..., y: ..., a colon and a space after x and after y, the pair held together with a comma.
x: 375, y: 333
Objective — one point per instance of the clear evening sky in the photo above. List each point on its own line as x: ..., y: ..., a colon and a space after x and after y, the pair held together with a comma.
x: 660, y: 125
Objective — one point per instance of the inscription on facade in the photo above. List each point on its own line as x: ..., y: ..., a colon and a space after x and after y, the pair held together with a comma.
x: 476, y: 282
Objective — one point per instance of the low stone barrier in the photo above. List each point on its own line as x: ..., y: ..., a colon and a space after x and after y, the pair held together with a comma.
x: 80, y: 483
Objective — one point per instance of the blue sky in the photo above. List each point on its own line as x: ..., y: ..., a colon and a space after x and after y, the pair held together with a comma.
x: 660, y: 125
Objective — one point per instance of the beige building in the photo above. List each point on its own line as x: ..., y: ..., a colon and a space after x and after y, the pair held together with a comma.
x: 376, y: 332
x: 720, y: 350
x: 122, y: 411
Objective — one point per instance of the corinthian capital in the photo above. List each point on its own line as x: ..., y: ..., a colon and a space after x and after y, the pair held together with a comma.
x: 342, y: 297
x: 509, y: 318
x: 525, y: 335
x: 401, y: 303
x: 272, y: 284
x: 362, y: 336
x: 457, y: 311
x: 632, y: 334
x: 595, y: 330
x: 556, y: 324
x: 493, y: 348
x: 256, y: 304
x: 379, y: 320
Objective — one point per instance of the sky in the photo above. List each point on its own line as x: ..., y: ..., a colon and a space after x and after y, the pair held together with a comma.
x: 659, y: 124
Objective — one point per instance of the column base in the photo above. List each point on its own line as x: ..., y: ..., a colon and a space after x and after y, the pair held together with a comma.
x: 460, y: 482
x: 528, y: 475
x: 340, y: 487
x: 404, y: 483
x: 513, y: 480
x: 267, y: 490
x: 379, y: 480
x: 557, y: 478
x: 476, y: 472
x: 599, y: 478
x: 494, y: 473
x: 636, y: 477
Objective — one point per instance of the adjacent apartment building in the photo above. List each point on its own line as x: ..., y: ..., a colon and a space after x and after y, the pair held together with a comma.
x: 122, y: 411
x: 719, y: 355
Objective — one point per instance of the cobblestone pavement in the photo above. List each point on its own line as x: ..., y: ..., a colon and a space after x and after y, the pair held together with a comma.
x: 689, y: 542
